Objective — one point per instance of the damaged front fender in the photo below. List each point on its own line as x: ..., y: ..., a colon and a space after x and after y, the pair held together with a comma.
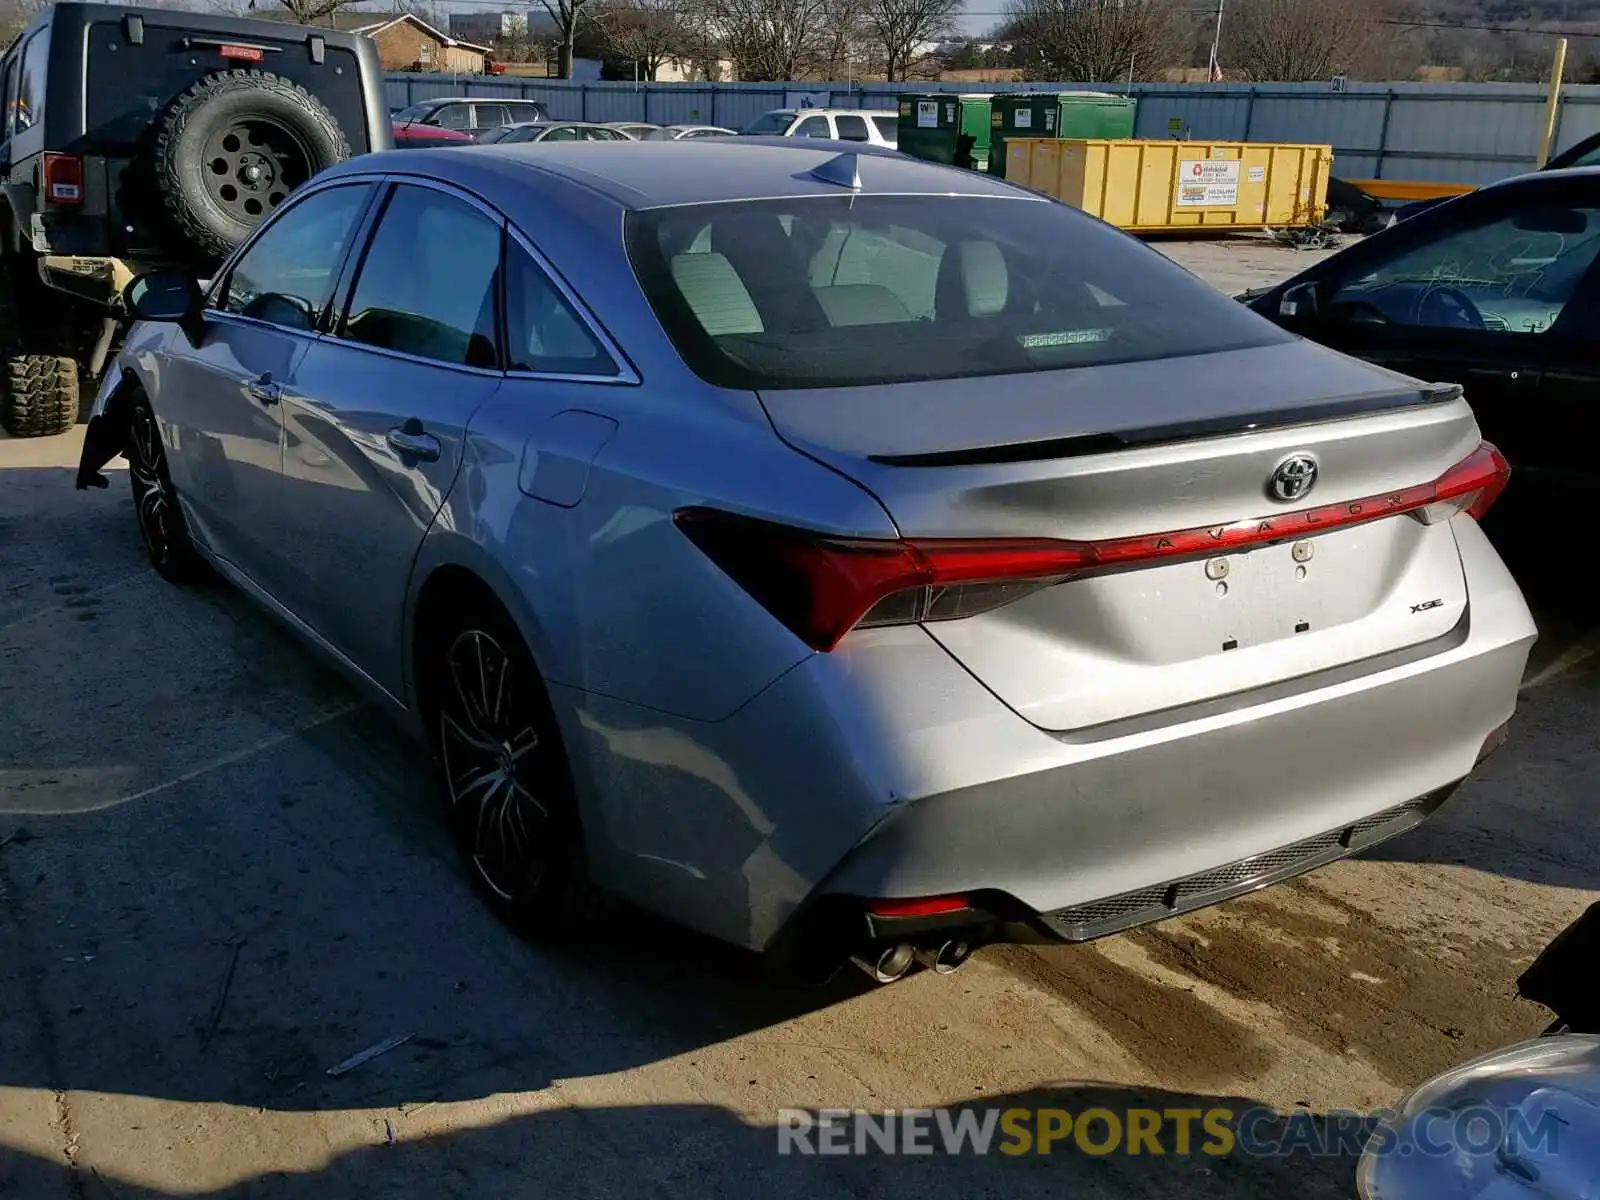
x: 107, y: 433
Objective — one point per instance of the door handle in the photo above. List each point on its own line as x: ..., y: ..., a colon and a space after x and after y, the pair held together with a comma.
x: 410, y: 440
x: 264, y: 389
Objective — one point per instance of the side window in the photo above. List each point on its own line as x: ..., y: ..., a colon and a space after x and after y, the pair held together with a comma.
x: 543, y: 332
x: 490, y: 116
x: 26, y: 111
x: 287, y: 276
x: 427, y: 285
x: 522, y: 112
x: 888, y: 128
x: 561, y: 133
x: 453, y: 116
x: 8, y: 92
x: 813, y: 127
x: 1511, y: 273
x: 853, y: 129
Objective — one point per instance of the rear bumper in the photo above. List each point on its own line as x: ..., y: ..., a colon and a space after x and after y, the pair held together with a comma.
x: 885, y: 770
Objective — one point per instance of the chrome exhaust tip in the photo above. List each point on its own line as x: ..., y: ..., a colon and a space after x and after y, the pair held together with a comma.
x: 946, y: 958
x: 889, y: 964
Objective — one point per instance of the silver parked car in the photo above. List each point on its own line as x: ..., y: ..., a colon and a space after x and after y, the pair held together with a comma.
x: 894, y: 562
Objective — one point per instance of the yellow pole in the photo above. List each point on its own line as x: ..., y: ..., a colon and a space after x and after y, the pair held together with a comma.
x: 1553, y: 104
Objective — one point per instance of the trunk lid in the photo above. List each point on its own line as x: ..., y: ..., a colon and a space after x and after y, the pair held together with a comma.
x: 1127, y: 450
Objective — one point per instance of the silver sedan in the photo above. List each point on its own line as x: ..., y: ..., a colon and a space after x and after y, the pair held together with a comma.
x: 887, y: 564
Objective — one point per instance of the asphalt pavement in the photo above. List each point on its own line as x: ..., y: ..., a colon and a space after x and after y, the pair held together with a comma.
x: 222, y: 874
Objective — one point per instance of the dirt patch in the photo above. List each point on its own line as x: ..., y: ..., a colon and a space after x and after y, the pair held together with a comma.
x: 1357, y: 987
x: 1182, y: 1040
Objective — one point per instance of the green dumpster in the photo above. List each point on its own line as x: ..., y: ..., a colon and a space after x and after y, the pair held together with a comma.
x: 1077, y: 115
x: 943, y: 127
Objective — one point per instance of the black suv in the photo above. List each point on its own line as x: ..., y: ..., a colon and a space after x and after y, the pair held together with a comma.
x: 141, y: 138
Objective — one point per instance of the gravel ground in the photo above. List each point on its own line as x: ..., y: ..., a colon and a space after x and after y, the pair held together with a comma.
x: 224, y: 875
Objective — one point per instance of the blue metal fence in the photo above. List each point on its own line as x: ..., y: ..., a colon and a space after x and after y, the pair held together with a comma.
x: 1460, y: 133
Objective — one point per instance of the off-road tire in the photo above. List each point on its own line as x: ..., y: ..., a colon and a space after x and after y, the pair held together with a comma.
x: 194, y: 171
x: 41, y: 395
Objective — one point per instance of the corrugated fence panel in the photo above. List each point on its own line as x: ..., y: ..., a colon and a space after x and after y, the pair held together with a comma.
x: 1467, y: 133
x: 1580, y: 118
x: 615, y: 104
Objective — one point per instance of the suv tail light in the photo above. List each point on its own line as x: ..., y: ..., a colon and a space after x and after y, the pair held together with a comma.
x: 821, y: 586
x: 63, y: 179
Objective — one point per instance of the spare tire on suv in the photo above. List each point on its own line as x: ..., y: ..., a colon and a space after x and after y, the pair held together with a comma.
x: 232, y: 148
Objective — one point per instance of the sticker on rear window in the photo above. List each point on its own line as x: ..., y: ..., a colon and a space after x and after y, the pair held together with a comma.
x: 1063, y: 337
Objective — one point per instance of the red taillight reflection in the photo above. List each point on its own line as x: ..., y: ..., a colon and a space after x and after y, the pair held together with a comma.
x: 925, y: 906
x: 822, y: 586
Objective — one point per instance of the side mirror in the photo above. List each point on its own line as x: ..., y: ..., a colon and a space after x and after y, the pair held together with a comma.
x: 1301, y: 303
x: 170, y: 296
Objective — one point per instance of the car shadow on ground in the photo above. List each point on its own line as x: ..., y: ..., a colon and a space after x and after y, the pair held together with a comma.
x: 276, y: 889
x: 710, y: 1151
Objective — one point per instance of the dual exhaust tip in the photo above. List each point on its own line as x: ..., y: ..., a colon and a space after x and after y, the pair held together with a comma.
x: 891, y: 962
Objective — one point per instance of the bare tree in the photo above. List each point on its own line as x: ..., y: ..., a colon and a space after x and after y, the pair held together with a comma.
x: 767, y: 39
x: 311, y: 12
x: 567, y: 16
x: 841, y: 37
x: 1098, y: 40
x: 1288, y: 41
x: 647, y: 32
x: 17, y: 15
x: 898, y: 27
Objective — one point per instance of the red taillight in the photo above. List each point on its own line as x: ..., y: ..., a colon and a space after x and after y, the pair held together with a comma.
x: 926, y: 906
x: 822, y: 587
x: 242, y: 53
x: 63, y: 179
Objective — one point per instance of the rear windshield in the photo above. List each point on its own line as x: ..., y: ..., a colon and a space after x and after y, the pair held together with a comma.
x: 828, y: 291
x: 772, y: 122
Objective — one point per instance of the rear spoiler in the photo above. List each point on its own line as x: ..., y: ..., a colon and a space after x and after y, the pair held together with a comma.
x: 1157, y: 435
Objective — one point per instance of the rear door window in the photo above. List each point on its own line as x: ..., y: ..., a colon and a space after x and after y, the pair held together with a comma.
x: 852, y: 128
x: 427, y: 284
x: 28, y: 108
x: 523, y: 112
x: 828, y: 291
x: 490, y: 116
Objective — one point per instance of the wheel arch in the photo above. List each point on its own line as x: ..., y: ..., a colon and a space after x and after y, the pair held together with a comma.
x: 450, y: 570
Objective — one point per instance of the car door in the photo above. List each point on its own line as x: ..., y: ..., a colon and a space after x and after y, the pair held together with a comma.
x: 488, y: 116
x: 379, y: 414
x: 219, y: 391
x: 1485, y: 296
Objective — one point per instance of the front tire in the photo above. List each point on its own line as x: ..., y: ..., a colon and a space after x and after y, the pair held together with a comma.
x: 511, y: 806
x: 155, y: 501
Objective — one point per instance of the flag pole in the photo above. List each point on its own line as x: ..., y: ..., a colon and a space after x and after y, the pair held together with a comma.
x: 1216, y: 42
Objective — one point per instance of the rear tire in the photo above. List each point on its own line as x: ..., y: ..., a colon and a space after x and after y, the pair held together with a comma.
x: 232, y: 148
x: 512, y: 810
x: 41, y: 395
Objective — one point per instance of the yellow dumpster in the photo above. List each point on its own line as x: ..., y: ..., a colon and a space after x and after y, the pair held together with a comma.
x: 1179, y: 187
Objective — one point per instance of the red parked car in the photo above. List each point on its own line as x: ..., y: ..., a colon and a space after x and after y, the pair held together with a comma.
x: 409, y: 135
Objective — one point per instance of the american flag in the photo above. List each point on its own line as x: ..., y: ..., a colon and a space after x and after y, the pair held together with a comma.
x: 1216, y: 72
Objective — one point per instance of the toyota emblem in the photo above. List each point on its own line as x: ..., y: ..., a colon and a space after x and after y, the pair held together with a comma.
x: 1293, y: 478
